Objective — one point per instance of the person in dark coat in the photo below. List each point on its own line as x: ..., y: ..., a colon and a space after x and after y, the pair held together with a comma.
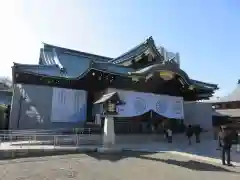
x: 189, y: 133
x: 197, y: 132
x: 219, y: 139
x: 165, y: 133
x: 226, y: 140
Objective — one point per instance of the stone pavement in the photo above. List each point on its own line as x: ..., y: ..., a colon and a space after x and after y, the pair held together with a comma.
x: 206, y: 150
x: 9, y: 151
x: 121, y: 166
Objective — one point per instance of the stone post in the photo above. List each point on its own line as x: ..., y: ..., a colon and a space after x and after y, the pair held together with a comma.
x: 109, y: 133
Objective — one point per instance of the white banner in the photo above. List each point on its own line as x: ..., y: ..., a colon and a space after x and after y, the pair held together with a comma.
x: 68, y: 105
x: 138, y: 103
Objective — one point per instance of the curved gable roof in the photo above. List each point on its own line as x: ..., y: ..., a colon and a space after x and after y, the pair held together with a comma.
x: 76, y: 52
x: 177, y: 70
x: 55, y: 71
x: 73, y: 62
x: 138, y: 50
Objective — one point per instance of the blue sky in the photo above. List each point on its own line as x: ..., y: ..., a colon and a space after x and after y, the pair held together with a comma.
x: 205, y: 33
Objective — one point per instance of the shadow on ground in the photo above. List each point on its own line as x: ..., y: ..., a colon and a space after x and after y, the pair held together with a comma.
x: 201, y: 150
x: 38, y: 157
x: 111, y: 156
x: 114, y: 157
x: 191, y: 164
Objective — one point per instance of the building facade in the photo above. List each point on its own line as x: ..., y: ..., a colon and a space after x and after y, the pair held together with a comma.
x: 60, y: 91
x: 228, y: 106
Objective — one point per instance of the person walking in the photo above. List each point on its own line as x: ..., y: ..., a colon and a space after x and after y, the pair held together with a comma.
x: 197, y: 132
x: 165, y: 134
x: 189, y: 134
x: 169, y: 135
x: 226, y: 139
x: 219, y: 139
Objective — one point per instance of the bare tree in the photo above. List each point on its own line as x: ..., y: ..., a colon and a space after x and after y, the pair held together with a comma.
x: 6, y: 83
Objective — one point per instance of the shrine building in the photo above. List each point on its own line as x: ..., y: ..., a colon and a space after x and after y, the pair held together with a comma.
x: 61, y: 91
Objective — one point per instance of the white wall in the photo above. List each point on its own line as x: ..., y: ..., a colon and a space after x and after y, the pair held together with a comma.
x: 32, y: 109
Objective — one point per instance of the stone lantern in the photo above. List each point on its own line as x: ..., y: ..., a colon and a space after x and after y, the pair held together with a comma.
x: 110, y: 107
x: 109, y: 102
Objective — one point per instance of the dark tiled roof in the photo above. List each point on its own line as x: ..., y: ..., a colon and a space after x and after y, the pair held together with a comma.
x: 52, y: 70
x: 137, y: 51
x: 159, y: 67
x: 76, y: 52
x: 55, y: 71
x: 76, y: 64
x: 209, y: 85
x: 166, y: 67
x: 114, y: 68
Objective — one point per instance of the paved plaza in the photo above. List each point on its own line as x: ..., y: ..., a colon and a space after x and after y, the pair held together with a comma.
x: 206, y: 150
x: 152, y: 160
x: 127, y: 165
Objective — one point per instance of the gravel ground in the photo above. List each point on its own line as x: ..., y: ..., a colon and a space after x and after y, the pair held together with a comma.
x: 125, y: 166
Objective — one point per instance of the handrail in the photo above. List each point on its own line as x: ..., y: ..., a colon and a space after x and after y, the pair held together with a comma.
x: 50, y: 130
x: 23, y: 140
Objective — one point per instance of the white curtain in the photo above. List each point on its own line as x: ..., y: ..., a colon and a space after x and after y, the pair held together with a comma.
x: 137, y: 103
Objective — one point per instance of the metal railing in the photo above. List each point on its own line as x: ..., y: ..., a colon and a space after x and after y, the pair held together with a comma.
x: 51, y: 131
x: 60, y: 137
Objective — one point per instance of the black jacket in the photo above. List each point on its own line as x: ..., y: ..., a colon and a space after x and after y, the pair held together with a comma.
x: 197, y: 130
x: 226, y: 139
x: 189, y: 131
